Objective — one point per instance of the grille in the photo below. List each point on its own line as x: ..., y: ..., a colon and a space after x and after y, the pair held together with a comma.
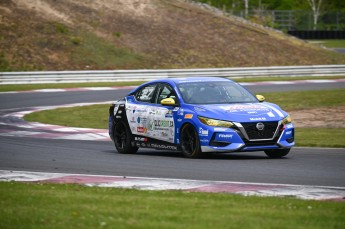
x: 255, y: 134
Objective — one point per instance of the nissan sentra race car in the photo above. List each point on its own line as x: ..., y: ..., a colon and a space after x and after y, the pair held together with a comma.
x: 198, y: 115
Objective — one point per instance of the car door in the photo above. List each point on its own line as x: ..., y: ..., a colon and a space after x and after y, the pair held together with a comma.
x: 147, y: 117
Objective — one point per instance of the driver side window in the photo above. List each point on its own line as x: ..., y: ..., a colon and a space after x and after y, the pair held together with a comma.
x: 166, y: 92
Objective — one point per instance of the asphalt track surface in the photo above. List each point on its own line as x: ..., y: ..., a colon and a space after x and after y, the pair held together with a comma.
x: 303, y: 166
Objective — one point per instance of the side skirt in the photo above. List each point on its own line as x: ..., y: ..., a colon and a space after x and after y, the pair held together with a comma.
x: 145, y: 142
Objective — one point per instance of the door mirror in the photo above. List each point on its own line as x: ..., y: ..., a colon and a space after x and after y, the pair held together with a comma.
x: 261, y: 98
x: 168, y: 102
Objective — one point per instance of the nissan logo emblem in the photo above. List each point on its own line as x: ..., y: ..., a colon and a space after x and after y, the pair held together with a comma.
x: 260, y: 126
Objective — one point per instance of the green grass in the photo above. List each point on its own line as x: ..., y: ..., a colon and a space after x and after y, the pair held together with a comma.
x: 91, y: 50
x: 96, y: 116
x: 320, y: 137
x: 25, y: 87
x: 306, y: 99
x: 27, y: 205
x: 331, y: 43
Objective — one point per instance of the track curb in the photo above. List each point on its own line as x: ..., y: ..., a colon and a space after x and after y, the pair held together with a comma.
x: 144, y: 183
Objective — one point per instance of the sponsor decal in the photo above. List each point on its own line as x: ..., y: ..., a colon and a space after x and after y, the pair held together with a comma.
x: 163, y: 134
x: 161, y: 146
x: 246, y: 109
x: 289, y: 125
x: 188, y: 116
x: 288, y: 132
x: 180, y: 112
x: 118, y: 116
x: 141, y: 129
x: 151, y: 125
x: 132, y: 120
x: 250, y: 107
x: 199, y: 109
x: 141, y: 139
x: 217, y: 129
x: 258, y: 119
x: 164, y: 123
x: 225, y: 135
x: 179, y: 120
x: 204, y: 140
x: 168, y: 116
x: 203, y: 132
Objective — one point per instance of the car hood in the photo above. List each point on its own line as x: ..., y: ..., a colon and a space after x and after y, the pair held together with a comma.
x: 242, y: 112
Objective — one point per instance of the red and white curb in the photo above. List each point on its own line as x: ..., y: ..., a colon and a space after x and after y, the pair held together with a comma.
x: 142, y: 183
x: 13, y: 125
x: 132, y: 87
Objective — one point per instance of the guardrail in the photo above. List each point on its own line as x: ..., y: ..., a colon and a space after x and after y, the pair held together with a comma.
x: 145, y: 75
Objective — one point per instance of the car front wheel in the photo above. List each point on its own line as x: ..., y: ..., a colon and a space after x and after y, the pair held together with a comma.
x: 190, y: 143
x: 122, y: 139
x: 277, y: 153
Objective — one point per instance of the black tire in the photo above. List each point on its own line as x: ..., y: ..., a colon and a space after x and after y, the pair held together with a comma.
x: 190, y: 143
x: 277, y: 153
x: 122, y: 139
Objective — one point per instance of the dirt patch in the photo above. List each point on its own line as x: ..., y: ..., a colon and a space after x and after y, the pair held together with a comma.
x: 43, y: 8
x: 332, y: 117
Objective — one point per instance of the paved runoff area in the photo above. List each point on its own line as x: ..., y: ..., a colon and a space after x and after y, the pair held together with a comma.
x: 246, y: 189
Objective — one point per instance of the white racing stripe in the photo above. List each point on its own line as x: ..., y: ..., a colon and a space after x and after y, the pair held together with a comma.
x: 275, y: 109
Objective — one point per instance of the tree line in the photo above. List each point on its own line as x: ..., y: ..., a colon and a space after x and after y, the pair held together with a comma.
x: 316, y: 7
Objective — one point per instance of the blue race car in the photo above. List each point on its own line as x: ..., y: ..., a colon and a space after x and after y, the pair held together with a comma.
x: 198, y: 115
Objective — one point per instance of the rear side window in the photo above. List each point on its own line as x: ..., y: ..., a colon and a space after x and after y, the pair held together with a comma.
x: 146, y: 93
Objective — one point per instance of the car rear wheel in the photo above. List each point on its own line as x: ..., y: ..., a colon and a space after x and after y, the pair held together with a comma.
x: 277, y: 153
x: 122, y: 139
x: 190, y: 143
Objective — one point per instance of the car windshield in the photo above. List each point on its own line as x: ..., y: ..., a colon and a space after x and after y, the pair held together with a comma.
x: 214, y: 93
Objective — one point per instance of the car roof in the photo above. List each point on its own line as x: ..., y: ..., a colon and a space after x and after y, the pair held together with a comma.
x: 191, y: 80
x: 175, y: 81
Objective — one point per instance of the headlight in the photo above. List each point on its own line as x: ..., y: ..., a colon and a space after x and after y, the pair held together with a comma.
x: 287, y: 120
x: 215, y: 122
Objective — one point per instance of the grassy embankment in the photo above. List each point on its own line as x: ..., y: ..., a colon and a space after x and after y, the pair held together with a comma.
x: 25, y: 205
x: 93, y: 117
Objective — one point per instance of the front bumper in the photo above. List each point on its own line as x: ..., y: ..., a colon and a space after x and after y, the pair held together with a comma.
x: 239, y: 139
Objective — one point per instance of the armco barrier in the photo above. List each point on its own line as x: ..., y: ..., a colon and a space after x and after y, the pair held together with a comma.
x: 145, y: 75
